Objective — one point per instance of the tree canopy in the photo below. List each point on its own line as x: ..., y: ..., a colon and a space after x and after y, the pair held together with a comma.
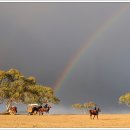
x: 125, y: 99
x: 14, y: 86
x: 84, y: 106
x: 89, y: 105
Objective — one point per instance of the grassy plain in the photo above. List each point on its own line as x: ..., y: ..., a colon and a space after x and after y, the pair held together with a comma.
x: 65, y: 121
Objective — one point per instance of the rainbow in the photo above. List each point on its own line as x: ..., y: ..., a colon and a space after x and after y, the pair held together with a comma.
x: 97, y: 34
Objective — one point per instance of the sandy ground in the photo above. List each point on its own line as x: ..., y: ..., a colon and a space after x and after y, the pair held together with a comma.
x: 65, y: 121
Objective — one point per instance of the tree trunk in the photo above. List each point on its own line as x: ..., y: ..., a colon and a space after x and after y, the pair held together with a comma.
x: 8, y: 105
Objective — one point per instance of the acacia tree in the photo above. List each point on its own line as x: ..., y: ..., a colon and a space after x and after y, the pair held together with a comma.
x: 125, y: 99
x: 39, y: 94
x: 15, y: 87
x: 86, y: 106
x: 78, y: 106
x: 89, y: 105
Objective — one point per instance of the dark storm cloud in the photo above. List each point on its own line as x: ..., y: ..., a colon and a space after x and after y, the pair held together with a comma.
x: 39, y: 39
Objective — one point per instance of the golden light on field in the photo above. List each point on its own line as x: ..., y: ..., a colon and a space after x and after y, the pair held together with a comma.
x: 65, y: 121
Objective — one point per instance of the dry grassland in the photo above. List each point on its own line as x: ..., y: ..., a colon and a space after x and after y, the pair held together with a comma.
x: 65, y: 121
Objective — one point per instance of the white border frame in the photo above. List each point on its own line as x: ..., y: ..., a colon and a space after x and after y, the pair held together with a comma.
x: 67, y: 1
x: 64, y: 1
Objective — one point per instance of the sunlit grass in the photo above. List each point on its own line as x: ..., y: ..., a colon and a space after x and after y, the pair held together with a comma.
x: 65, y: 121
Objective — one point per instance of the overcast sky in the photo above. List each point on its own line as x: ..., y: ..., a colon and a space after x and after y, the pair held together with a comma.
x: 39, y: 39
